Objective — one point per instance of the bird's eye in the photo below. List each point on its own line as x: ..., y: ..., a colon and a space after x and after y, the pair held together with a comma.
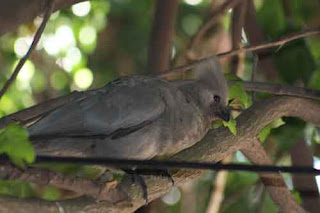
x: 216, y: 98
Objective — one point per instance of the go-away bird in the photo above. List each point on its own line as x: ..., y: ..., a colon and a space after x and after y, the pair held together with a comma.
x: 136, y: 117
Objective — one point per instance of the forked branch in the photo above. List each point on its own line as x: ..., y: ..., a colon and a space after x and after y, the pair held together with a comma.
x: 215, y: 146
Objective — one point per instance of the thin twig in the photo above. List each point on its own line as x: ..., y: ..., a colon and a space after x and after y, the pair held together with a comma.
x: 257, y: 155
x: 252, y: 48
x: 160, y: 44
x: 253, y: 73
x: 34, y: 43
x: 212, y: 20
x: 238, y: 19
x: 255, y: 35
x: 306, y: 185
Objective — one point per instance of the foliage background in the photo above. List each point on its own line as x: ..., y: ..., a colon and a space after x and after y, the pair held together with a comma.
x: 95, y: 42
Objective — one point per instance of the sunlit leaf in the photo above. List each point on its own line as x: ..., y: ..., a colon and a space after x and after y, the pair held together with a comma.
x: 14, y: 142
x: 216, y: 125
x: 267, y: 129
x: 16, y: 188
x: 236, y: 91
x: 231, y: 125
x: 51, y: 193
x: 297, y: 197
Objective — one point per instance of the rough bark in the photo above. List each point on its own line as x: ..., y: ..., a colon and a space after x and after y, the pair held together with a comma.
x: 305, y: 184
x: 214, y: 147
x: 273, y: 182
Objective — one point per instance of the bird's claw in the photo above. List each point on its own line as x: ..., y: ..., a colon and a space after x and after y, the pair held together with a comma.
x: 138, y: 179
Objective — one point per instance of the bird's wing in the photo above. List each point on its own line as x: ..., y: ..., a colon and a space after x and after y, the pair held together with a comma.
x: 124, y: 104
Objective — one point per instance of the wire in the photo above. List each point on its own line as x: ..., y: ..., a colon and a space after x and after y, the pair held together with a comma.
x: 131, y: 164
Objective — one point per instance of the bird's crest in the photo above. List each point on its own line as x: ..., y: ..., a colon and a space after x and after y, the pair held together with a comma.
x: 209, y: 72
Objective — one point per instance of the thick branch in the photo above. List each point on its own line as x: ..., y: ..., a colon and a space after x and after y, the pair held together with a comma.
x: 25, y: 12
x: 273, y: 182
x: 217, y: 145
x: 305, y: 184
x: 160, y: 43
x: 255, y: 36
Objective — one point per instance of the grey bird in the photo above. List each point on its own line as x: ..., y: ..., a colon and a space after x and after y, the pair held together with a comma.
x: 136, y: 117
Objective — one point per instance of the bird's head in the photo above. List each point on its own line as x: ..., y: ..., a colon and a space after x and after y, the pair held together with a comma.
x: 213, y: 90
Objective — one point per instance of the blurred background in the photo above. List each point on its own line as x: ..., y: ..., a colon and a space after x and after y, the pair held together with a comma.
x: 94, y: 42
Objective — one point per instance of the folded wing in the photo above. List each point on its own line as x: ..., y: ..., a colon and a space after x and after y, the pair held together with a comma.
x: 123, y: 104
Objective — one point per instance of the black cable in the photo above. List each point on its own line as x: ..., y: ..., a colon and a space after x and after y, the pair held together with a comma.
x: 163, y: 165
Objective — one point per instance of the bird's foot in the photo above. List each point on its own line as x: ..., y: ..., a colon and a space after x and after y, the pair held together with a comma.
x: 138, y: 179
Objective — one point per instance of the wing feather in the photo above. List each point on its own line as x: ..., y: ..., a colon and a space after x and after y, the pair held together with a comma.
x: 120, y: 105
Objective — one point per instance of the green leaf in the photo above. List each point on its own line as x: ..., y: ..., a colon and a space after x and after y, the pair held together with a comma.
x: 236, y: 91
x: 231, y: 125
x: 297, y: 197
x: 51, y: 193
x: 232, y: 77
x: 14, y: 142
x: 16, y: 188
x: 265, y: 131
x: 216, y: 125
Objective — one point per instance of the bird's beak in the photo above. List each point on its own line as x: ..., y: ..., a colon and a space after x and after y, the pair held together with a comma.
x: 224, y: 114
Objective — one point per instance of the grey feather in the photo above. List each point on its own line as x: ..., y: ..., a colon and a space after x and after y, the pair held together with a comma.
x: 134, y: 117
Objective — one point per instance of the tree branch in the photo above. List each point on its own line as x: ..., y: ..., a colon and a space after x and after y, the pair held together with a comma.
x: 305, y: 184
x: 253, y: 74
x: 211, y: 21
x: 255, y: 36
x: 251, y: 48
x: 160, y: 44
x: 218, y: 144
x: 273, y: 182
x: 238, y: 18
x: 33, y: 45
x: 97, y: 189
